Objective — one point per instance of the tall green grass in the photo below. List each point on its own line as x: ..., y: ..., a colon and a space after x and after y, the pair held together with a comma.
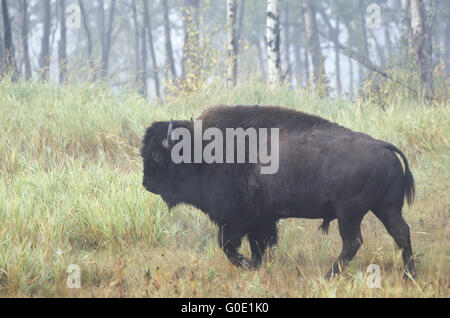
x: 70, y: 192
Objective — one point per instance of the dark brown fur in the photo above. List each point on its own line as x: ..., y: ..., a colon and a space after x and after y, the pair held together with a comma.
x: 326, y: 171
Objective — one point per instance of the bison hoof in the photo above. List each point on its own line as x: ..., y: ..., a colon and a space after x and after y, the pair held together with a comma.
x: 244, y: 262
x: 330, y: 275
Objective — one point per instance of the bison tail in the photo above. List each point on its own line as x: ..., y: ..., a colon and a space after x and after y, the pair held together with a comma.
x: 409, y: 179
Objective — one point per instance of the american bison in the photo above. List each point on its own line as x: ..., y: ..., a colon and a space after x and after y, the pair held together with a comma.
x: 325, y: 171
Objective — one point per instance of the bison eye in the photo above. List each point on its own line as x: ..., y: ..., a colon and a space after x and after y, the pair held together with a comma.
x: 158, y: 157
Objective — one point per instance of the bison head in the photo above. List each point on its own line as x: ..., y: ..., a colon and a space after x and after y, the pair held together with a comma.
x: 161, y: 175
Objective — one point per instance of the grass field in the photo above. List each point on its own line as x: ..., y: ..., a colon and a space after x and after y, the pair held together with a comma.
x: 71, y: 193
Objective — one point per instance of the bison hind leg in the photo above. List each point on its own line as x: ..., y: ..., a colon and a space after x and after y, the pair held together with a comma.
x: 350, y: 231
x: 396, y: 226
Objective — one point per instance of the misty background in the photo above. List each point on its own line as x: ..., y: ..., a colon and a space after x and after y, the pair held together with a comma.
x: 166, y: 46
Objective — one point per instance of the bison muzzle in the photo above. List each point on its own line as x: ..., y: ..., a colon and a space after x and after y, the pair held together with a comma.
x: 326, y: 171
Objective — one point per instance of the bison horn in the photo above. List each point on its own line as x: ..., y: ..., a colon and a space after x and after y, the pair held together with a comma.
x: 167, y: 142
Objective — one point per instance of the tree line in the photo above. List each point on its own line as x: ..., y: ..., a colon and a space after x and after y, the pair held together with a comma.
x: 163, y: 46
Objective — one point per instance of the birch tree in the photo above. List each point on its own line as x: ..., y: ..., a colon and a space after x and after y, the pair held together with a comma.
x: 273, y: 43
x: 231, y: 44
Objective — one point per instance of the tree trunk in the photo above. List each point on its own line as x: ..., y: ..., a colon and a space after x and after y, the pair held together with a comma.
x: 240, y: 28
x: 273, y: 43
x: 298, y: 62
x: 334, y: 34
x: 62, y: 44
x: 231, y: 44
x: 24, y: 32
x: 1, y: 53
x: 170, y: 61
x: 306, y: 71
x: 318, y: 61
x: 136, y: 41
x: 287, y: 44
x: 143, y: 83
x: 105, y: 34
x: 260, y: 53
x: 54, y: 29
x: 112, y: 12
x: 421, y: 37
x: 362, y: 75
x: 337, y: 64
x: 9, y: 62
x: 406, y: 32
x: 447, y: 46
x: 364, y: 28
x: 148, y: 27
x: 350, y: 67
x: 190, y: 68
x: 44, y: 57
x: 306, y: 64
x: 102, y: 33
x: 387, y: 41
x: 84, y: 16
x: 380, y: 49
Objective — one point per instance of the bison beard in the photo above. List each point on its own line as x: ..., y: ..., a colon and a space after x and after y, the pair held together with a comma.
x: 325, y: 171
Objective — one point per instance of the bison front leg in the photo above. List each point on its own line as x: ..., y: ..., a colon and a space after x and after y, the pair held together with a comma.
x: 262, y: 236
x: 230, y: 238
